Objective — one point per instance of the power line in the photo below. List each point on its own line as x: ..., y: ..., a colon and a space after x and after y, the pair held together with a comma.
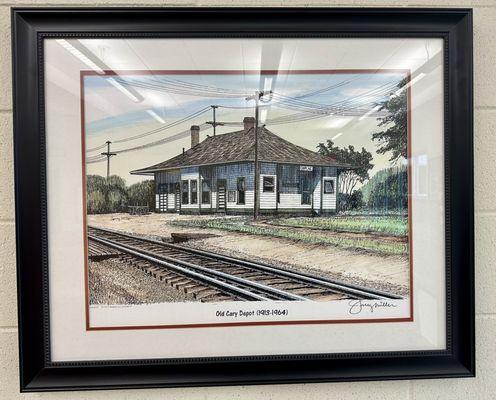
x: 180, y: 87
x: 283, y: 101
x: 176, y: 136
x: 96, y: 148
x: 162, y: 128
x: 337, y: 105
x: 285, y: 119
x: 307, y: 110
x: 344, y: 107
x: 156, y: 130
x: 326, y: 89
x: 167, y: 139
x: 96, y: 160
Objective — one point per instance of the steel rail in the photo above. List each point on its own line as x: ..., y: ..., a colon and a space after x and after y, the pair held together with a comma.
x: 342, y: 288
x: 231, y: 289
x: 345, y: 288
x: 159, y: 258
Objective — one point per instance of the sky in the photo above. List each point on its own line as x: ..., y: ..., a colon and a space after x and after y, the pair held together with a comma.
x: 316, y: 107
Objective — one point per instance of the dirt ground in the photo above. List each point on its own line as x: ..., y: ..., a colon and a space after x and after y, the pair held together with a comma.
x: 151, y: 224
x: 389, y: 273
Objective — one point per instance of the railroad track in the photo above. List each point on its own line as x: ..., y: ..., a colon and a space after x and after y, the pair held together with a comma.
x: 211, y: 277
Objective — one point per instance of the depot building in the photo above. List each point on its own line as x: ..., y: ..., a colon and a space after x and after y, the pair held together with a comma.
x: 217, y: 175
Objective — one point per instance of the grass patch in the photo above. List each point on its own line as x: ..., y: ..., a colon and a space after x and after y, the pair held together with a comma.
x: 395, y: 226
x: 242, y: 225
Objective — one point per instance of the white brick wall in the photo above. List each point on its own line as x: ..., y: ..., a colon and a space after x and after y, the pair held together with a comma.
x: 481, y: 388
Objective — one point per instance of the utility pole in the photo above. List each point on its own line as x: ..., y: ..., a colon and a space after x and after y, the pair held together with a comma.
x: 108, y: 154
x: 214, y: 122
x: 257, y: 96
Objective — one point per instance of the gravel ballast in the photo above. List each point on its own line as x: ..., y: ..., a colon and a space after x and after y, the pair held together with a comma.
x: 115, y: 282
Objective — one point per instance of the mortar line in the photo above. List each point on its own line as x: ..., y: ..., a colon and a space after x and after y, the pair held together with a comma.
x: 485, y: 108
x: 484, y: 315
x: 8, y: 329
x: 485, y: 213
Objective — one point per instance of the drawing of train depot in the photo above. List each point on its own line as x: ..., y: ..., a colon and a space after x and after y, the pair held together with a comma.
x: 217, y: 175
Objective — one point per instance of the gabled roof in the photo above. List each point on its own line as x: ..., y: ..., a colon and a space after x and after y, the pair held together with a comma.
x: 239, y: 146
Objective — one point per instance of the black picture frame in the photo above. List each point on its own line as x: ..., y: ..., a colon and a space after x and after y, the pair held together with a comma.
x: 31, y: 26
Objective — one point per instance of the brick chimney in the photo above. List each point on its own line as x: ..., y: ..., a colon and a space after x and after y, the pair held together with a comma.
x: 195, y: 135
x: 248, y: 122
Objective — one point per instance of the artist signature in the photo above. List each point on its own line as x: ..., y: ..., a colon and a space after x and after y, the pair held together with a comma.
x: 357, y: 306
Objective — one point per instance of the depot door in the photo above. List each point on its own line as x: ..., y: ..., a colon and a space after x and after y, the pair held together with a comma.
x: 306, y: 187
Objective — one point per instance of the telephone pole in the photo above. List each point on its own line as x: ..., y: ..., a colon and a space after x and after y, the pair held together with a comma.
x: 214, y: 122
x: 108, y: 154
x: 257, y: 96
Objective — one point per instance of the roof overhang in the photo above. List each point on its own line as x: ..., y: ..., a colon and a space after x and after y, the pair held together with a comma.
x: 137, y: 172
x: 151, y: 171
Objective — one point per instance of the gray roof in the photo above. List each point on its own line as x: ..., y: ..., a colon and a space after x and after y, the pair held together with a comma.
x: 239, y: 146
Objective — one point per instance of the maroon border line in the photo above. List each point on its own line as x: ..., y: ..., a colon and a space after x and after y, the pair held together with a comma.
x: 407, y: 72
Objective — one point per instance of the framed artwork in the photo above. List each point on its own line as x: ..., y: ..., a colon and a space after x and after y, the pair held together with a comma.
x: 239, y: 196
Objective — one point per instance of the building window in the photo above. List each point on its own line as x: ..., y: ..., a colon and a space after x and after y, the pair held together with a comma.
x: 328, y: 186
x: 241, y: 186
x: 205, y: 191
x: 268, y: 184
x: 306, y: 198
x: 162, y: 188
x: 289, y: 179
x: 185, y: 197
x: 231, y: 196
x: 172, y: 188
x: 194, y: 192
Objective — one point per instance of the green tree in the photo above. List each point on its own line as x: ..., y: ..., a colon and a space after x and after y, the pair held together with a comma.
x: 95, y: 194
x: 95, y: 202
x: 394, y: 136
x: 142, y: 194
x: 116, y: 194
x: 387, y: 190
x: 106, y: 197
x: 360, y: 163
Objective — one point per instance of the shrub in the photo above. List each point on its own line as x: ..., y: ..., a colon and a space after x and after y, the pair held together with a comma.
x: 352, y: 201
x: 387, y: 190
